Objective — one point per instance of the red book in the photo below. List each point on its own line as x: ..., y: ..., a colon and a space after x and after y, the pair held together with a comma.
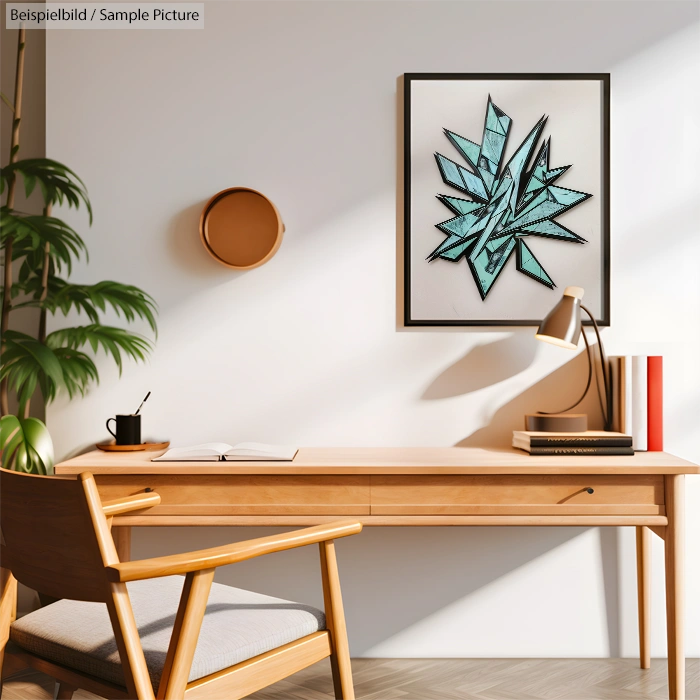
x: 655, y: 404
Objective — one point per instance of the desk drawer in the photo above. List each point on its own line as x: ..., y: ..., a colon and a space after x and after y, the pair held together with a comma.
x: 224, y: 494
x: 516, y: 495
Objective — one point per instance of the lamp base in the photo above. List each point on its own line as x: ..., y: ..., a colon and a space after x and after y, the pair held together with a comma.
x: 556, y: 422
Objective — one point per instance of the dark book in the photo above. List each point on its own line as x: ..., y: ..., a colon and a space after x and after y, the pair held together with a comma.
x: 592, y: 438
x: 625, y: 441
x: 580, y: 451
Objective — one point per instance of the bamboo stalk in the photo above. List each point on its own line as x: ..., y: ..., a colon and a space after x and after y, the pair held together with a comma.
x: 45, y: 281
x: 42, y: 298
x: 6, y: 302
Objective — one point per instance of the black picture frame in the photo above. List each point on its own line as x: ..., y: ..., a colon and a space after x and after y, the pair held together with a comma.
x: 408, y: 79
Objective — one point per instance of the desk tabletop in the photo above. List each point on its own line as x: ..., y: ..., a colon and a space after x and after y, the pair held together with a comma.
x: 388, y: 460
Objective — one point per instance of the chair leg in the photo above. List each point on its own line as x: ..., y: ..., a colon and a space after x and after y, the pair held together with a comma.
x: 8, y: 609
x: 65, y: 691
x: 335, y: 621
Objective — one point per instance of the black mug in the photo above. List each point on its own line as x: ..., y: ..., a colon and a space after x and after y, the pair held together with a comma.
x: 128, y: 429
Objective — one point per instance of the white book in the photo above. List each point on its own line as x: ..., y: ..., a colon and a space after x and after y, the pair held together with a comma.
x: 639, y: 402
x: 223, y: 452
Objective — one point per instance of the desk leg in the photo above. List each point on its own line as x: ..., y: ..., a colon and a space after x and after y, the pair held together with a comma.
x: 675, y: 540
x: 644, y: 594
x: 122, y: 541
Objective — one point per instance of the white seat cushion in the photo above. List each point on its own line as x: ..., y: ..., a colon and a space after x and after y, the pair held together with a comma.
x: 238, y: 625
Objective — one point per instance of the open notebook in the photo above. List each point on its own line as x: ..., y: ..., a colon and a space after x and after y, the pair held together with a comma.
x: 223, y: 452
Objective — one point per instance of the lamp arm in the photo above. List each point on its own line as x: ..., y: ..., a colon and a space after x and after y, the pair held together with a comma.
x: 588, y: 383
x: 607, y: 380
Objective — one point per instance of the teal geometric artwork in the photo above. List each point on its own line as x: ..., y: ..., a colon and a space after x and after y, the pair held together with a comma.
x: 508, y: 203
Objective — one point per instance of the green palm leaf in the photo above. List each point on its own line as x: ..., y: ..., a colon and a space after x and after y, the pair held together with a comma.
x: 22, y: 351
x: 26, y: 362
x: 58, y: 183
x: 78, y: 370
x: 26, y: 445
x: 128, y: 301
x: 114, y: 341
x: 35, y: 231
x: 30, y: 270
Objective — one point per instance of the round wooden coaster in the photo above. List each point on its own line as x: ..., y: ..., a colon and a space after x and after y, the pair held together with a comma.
x: 144, y: 446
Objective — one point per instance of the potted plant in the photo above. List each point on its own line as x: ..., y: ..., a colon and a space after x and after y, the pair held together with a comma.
x: 39, y: 251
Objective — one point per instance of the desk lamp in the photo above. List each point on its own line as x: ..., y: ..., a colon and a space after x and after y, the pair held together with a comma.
x: 562, y: 327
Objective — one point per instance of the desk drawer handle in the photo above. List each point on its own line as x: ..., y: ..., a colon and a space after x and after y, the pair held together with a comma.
x: 588, y: 490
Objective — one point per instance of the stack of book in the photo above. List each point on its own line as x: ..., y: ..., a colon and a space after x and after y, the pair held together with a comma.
x: 638, y: 400
x: 592, y: 442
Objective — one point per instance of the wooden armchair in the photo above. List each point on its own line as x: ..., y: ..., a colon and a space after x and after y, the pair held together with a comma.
x: 160, y: 635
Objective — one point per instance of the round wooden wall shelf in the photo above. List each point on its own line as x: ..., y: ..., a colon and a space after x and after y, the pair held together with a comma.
x: 241, y: 228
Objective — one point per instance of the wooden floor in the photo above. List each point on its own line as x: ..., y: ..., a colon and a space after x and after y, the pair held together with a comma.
x: 451, y: 679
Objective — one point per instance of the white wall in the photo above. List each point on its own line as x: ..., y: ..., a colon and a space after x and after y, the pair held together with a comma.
x: 299, y: 100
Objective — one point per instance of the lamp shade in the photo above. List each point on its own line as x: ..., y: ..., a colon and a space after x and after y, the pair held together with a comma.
x: 562, y: 325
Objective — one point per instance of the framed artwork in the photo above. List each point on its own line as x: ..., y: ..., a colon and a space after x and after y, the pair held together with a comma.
x: 506, y: 196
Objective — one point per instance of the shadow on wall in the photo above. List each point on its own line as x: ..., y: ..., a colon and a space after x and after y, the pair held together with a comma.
x: 455, y: 563
x: 185, y: 246
x: 382, y: 601
x: 552, y: 393
x: 484, y: 365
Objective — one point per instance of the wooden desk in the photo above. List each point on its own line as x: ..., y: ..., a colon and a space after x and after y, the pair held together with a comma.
x: 423, y: 486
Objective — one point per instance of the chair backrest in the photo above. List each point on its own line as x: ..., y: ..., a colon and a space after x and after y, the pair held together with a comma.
x: 55, y: 536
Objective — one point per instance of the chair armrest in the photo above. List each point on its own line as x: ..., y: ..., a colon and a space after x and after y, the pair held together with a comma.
x: 230, y: 553
x: 129, y: 503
